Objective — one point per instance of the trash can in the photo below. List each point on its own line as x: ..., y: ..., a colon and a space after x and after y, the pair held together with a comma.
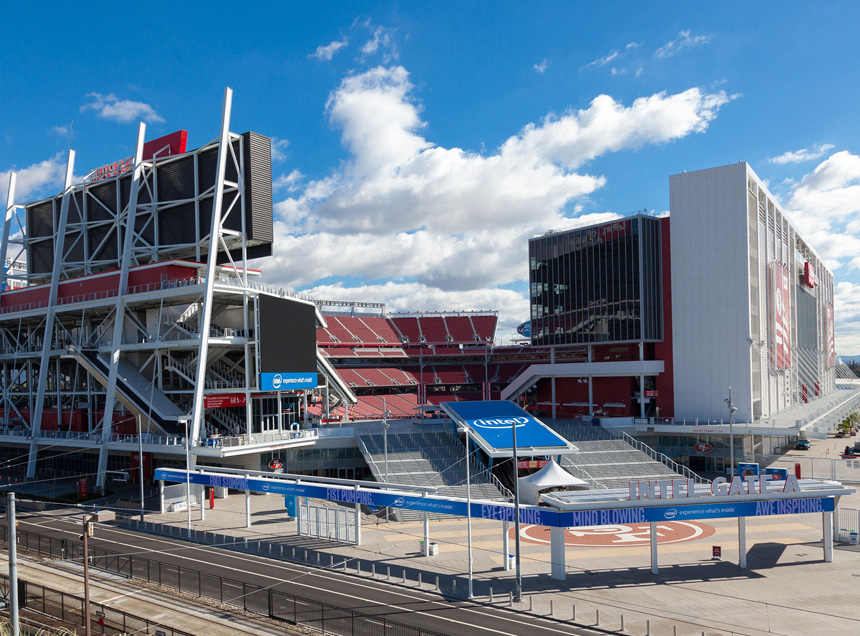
x: 511, y: 561
x: 854, y: 538
x: 434, y: 549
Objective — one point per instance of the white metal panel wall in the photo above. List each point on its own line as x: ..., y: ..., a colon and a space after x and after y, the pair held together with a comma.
x: 710, y: 292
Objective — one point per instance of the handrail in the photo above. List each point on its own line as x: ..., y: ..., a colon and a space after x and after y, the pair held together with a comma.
x: 588, y: 477
x: 656, y: 455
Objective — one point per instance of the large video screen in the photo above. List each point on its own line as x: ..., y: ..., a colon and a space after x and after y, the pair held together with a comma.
x: 287, y: 336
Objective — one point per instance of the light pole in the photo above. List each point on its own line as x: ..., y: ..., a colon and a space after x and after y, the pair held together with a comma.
x: 518, y: 595
x: 140, y: 463
x: 385, y: 445
x: 13, y: 565
x: 469, y: 511
x: 188, y: 476
x: 732, y: 410
x: 96, y: 517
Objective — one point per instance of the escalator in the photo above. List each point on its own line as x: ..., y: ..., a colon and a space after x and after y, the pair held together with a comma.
x: 134, y: 391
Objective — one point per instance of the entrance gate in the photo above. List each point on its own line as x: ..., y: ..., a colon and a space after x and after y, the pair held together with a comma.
x: 336, y: 524
x: 848, y: 523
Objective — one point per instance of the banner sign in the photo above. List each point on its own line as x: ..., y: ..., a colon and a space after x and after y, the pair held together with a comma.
x: 525, y: 329
x: 532, y: 463
x: 809, y: 275
x: 831, y: 338
x: 781, y: 317
x: 287, y: 381
x: 532, y: 515
x: 223, y: 401
x: 494, y: 422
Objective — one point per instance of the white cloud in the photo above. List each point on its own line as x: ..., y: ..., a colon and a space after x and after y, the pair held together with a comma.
x: 62, y: 131
x: 279, y: 149
x: 804, y: 154
x: 121, y: 110
x: 382, y: 40
x: 404, y: 209
x: 683, y: 41
x: 325, y: 53
x: 825, y: 206
x: 291, y: 181
x: 34, y: 180
x: 612, y: 56
x: 542, y: 66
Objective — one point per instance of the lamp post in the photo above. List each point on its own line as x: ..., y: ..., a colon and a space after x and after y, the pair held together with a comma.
x: 469, y: 510
x: 188, y: 476
x: 140, y: 464
x: 518, y: 595
x: 96, y: 517
x: 732, y: 410
x: 385, y: 444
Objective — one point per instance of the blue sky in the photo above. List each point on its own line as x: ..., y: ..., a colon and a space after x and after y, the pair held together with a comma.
x: 419, y: 145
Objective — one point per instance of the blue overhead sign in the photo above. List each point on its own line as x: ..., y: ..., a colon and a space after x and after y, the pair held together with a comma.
x: 494, y: 422
x: 287, y: 381
x: 532, y: 515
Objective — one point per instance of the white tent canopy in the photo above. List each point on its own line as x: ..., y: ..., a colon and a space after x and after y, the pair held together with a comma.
x: 550, y: 476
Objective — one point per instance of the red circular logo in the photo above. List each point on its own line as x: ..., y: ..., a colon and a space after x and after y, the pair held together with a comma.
x: 276, y: 464
x: 621, y: 535
x: 703, y: 447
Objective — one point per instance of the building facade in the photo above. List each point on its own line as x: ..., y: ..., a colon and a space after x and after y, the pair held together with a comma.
x: 752, y: 303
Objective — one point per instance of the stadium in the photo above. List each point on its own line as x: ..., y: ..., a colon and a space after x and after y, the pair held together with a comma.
x: 136, y: 333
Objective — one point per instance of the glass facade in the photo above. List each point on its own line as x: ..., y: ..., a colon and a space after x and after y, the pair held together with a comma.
x: 597, y: 284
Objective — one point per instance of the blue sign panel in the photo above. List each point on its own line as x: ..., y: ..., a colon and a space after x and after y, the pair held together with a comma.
x: 746, y: 469
x: 290, y: 505
x: 778, y: 474
x: 287, y: 381
x: 494, y: 422
x: 525, y: 329
x: 531, y: 515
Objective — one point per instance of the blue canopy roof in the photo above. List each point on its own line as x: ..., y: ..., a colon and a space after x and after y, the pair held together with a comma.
x: 492, y: 423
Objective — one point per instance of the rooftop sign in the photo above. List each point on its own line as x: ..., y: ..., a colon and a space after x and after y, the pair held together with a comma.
x: 493, y: 422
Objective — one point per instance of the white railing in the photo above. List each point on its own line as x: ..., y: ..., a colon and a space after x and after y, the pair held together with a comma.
x: 261, y: 438
x: 583, y: 474
x: 658, y: 456
x: 105, y: 293
x: 263, y: 287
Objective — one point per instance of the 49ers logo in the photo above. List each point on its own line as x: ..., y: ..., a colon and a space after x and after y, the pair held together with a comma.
x: 635, y: 534
x: 703, y: 447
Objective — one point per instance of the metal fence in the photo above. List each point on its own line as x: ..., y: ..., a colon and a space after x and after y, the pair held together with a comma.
x: 256, y: 599
x: 70, y: 609
x: 831, y: 467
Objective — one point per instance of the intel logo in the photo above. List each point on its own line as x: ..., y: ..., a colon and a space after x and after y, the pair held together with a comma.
x: 671, y: 513
x: 277, y: 381
x: 265, y: 486
x: 399, y: 502
x: 501, y: 422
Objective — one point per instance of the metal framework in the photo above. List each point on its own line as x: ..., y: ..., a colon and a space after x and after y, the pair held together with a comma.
x: 123, y: 348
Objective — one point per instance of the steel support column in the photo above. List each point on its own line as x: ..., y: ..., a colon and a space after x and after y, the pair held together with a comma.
x: 119, y: 307
x: 205, y: 313
x: 47, y: 341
